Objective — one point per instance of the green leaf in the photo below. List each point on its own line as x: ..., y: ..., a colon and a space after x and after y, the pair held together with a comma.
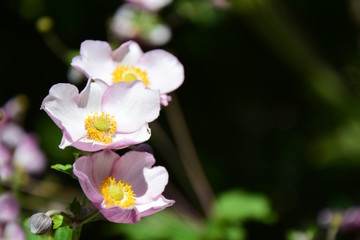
x: 309, y: 234
x: 75, y: 207
x: 238, y: 206
x: 216, y: 230
x: 63, y: 168
x: 57, y: 220
x: 162, y: 225
x: 63, y: 233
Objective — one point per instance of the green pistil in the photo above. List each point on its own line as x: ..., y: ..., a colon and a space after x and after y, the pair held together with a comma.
x: 116, y: 192
x: 101, y: 124
x: 129, y: 77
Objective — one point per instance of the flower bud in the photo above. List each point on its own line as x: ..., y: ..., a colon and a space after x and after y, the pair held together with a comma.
x: 40, y: 223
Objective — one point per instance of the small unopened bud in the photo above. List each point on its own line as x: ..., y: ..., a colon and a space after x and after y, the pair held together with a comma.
x: 40, y: 223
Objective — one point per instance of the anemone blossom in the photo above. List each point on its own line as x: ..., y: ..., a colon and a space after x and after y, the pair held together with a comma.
x: 157, y: 69
x: 102, y: 116
x: 123, y: 188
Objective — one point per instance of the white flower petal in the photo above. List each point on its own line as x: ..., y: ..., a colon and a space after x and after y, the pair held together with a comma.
x: 95, y: 60
x: 132, y: 104
x: 61, y: 106
x: 154, y: 206
x: 127, y: 54
x: 123, y: 140
x: 90, y: 97
x: 156, y: 178
x: 164, y: 70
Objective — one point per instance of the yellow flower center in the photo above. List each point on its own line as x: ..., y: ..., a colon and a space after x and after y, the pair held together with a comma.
x: 129, y: 74
x: 100, y: 127
x: 117, y: 193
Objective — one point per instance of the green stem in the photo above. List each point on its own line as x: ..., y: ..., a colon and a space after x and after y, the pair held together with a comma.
x: 331, y: 233
x: 189, y: 155
x: 90, y: 217
x: 76, y: 231
x: 76, y: 228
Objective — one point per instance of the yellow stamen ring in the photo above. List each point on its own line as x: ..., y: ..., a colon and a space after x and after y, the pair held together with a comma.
x: 117, y: 193
x: 129, y: 74
x: 100, y: 127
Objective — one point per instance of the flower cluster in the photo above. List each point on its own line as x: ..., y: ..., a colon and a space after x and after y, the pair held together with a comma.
x: 124, y: 92
x: 19, y: 150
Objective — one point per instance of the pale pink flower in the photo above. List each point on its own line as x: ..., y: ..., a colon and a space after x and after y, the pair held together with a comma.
x: 102, y: 116
x: 125, y: 188
x: 9, y: 210
x: 157, y: 69
x: 28, y: 155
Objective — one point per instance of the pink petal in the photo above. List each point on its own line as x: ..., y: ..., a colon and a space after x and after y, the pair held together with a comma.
x: 90, y: 97
x: 164, y: 99
x: 123, y: 140
x: 15, y: 107
x: 132, y: 104
x: 120, y: 141
x: 95, y: 60
x: 5, y: 155
x: 9, y: 207
x: 6, y: 172
x: 155, y: 206
x: 130, y: 167
x: 127, y: 54
x: 13, y: 230
x: 164, y: 70
x: 119, y: 215
x: 156, y: 179
x: 103, y: 164
x: 83, y: 169
x: 84, y: 145
x: 61, y: 106
x: 29, y: 156
x: 10, y: 134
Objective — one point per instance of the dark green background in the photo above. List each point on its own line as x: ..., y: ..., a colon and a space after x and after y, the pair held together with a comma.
x: 255, y: 120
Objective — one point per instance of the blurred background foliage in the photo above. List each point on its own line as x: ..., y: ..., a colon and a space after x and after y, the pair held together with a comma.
x: 271, y: 98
